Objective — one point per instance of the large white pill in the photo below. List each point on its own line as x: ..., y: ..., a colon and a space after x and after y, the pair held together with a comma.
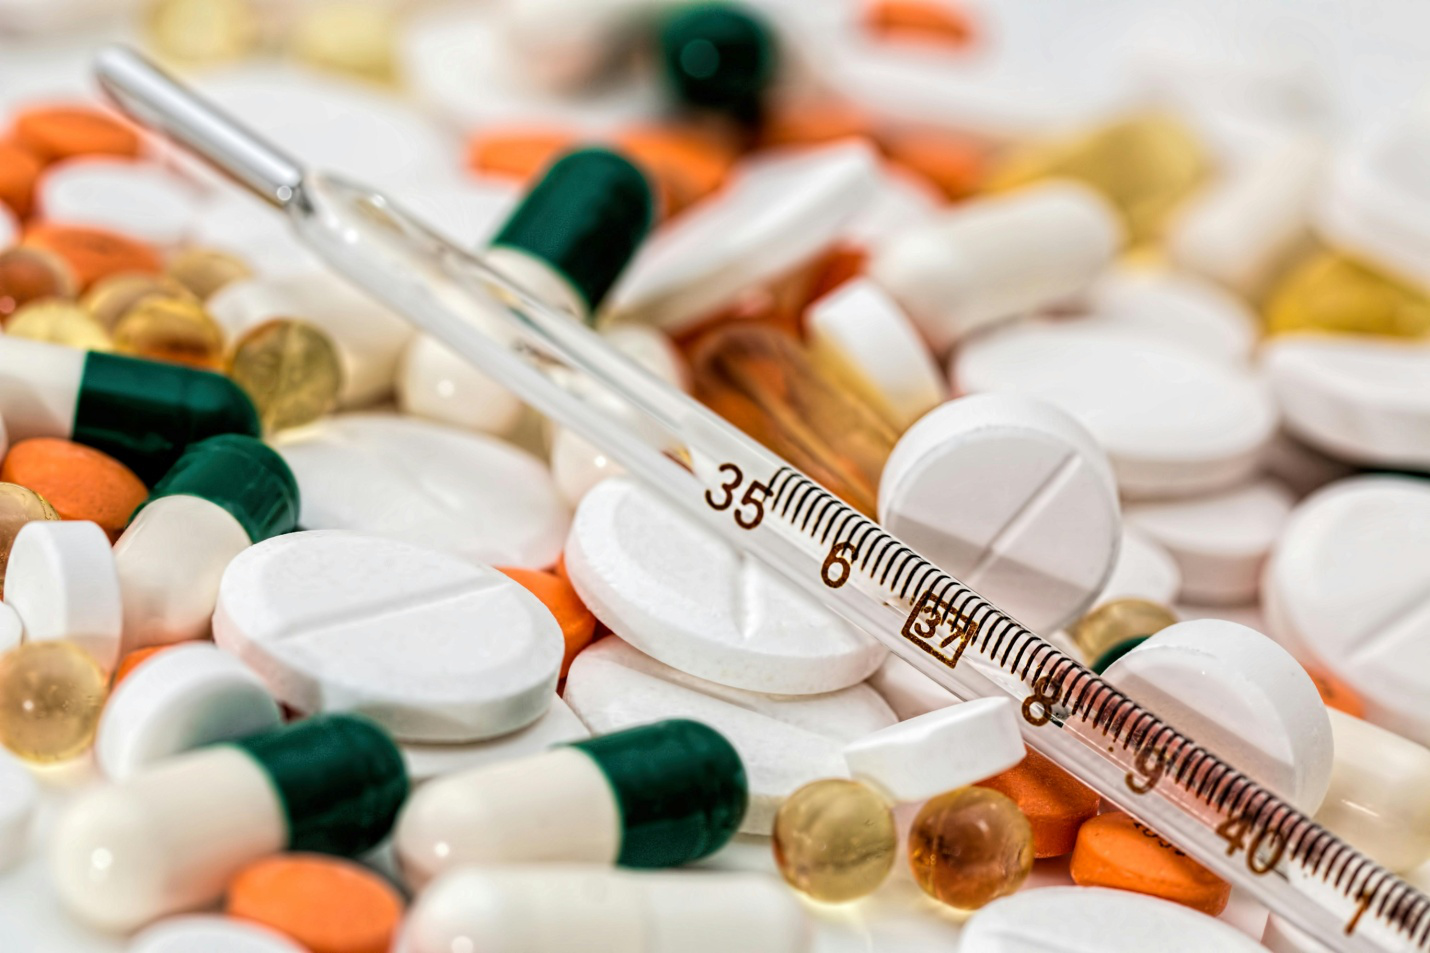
x: 1144, y: 570
x: 1220, y: 541
x: 1243, y: 696
x: 210, y: 934
x: 908, y: 691
x: 784, y: 741
x: 1347, y: 590
x: 1010, y: 496
x: 1360, y: 399
x: 430, y: 646
x: 62, y: 583
x: 1097, y: 920
x: 139, y: 199
x: 683, y: 594
x: 937, y: 752
x: 1174, y: 308
x: 429, y: 484
x: 776, y: 212
x: 19, y: 797
x: 185, y: 697
x: 1172, y: 422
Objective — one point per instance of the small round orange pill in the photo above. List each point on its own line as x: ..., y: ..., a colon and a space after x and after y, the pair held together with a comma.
x: 520, y: 154
x: 132, y: 661
x: 19, y: 171
x: 925, y: 20
x: 1113, y: 850
x: 1055, y: 802
x: 578, y: 625
x: 63, y: 132
x: 94, y: 253
x: 80, y: 482
x: 325, y: 904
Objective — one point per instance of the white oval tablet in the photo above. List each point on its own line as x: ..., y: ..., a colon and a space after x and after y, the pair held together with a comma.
x: 1172, y: 422
x: 426, y: 644
x: 1176, y: 309
x: 138, y: 199
x: 185, y: 697
x: 12, y: 630
x: 679, y: 592
x: 784, y: 741
x: 435, y: 382
x: 1097, y: 920
x: 937, y: 752
x: 1010, y: 496
x: 1220, y: 541
x: 1357, y: 398
x: 775, y: 212
x: 62, y: 583
x: 428, y: 484
x: 1347, y: 590
x: 211, y: 934
x: 1144, y: 570
x: 1243, y: 696
x: 19, y: 797
x: 1375, y: 802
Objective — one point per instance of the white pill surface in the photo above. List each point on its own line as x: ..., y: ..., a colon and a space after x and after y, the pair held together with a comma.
x: 937, y: 752
x: 784, y: 741
x: 429, y: 484
x: 557, y: 726
x: 1220, y: 541
x: 683, y: 594
x: 62, y: 583
x: 908, y: 691
x: 1282, y: 937
x: 138, y: 199
x: 211, y: 934
x: 12, y: 630
x: 184, y: 697
x: 1096, y: 920
x: 1359, y: 399
x: 1010, y: 496
x: 774, y: 213
x: 433, y: 648
x: 1175, y: 308
x: 234, y: 220
x: 1144, y: 570
x: 1240, y: 694
x: 860, y: 331
x: 19, y: 799
x: 436, y: 382
x: 1347, y: 590
x: 1172, y: 422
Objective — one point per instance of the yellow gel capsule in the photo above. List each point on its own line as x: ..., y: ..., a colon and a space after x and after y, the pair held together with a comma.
x: 835, y: 840
x: 59, y: 322
x: 289, y: 369
x: 178, y: 330
x: 203, y: 271
x: 32, y: 274
x: 1144, y: 165
x: 109, y: 299
x: 355, y: 37
x: 764, y: 382
x: 202, y: 32
x: 1111, y: 625
x: 18, y: 505
x: 51, y: 695
x: 970, y: 846
x: 1332, y: 292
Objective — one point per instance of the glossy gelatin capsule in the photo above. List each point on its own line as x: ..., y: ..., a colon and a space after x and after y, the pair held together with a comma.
x: 51, y: 696
x: 969, y: 847
x: 142, y: 413
x: 835, y: 840
x: 172, y: 838
x: 658, y: 795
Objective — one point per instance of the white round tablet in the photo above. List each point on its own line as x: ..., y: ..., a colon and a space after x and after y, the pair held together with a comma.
x: 429, y: 484
x: 62, y: 583
x: 430, y: 646
x: 679, y: 592
x: 12, y: 630
x: 1243, y: 696
x: 211, y: 934
x: 187, y: 696
x: 1347, y: 590
x: 1172, y: 422
x: 774, y: 213
x: 1144, y: 570
x: 1220, y: 541
x: 1175, y: 309
x: 1357, y: 398
x: 1096, y: 920
x: 1010, y: 496
x: 19, y: 797
x: 138, y: 199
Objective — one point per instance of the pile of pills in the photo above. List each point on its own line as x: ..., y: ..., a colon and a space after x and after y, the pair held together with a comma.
x: 314, y: 637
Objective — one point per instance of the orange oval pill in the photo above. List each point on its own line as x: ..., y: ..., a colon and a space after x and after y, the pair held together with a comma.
x: 63, y: 132
x: 1113, y: 850
x: 1055, y: 802
x: 519, y: 154
x: 930, y: 22
x: 325, y: 904
x: 80, y: 482
x: 1336, y: 694
x: 685, y: 165
x: 578, y: 625
x: 94, y: 253
x: 950, y: 163
x: 19, y: 171
x: 132, y: 661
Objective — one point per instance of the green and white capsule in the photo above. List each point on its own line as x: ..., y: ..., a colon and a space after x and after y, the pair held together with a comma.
x: 224, y: 494
x: 720, y: 57
x: 658, y: 795
x: 142, y: 413
x: 171, y: 838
